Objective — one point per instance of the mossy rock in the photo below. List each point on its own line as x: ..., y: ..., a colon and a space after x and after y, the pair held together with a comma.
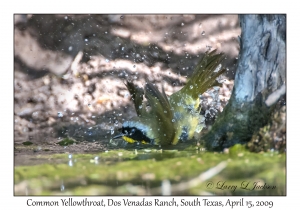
x: 142, y: 172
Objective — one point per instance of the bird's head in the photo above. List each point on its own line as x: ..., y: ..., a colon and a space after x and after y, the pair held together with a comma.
x: 134, y: 131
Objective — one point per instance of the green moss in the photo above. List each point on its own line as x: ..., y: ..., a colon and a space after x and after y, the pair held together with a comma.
x: 66, y: 142
x: 271, y: 136
x: 130, y: 172
x: 237, y: 149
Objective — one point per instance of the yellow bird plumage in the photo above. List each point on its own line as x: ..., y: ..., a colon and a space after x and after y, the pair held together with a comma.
x: 175, y: 118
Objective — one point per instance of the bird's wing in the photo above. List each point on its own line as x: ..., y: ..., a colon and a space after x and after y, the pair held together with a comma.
x: 204, y: 75
x: 160, y: 111
x: 136, y: 96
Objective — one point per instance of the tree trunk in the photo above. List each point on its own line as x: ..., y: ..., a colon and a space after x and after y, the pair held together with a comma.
x: 259, y: 81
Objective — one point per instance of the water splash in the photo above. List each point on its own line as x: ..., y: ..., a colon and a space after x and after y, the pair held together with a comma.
x: 60, y: 114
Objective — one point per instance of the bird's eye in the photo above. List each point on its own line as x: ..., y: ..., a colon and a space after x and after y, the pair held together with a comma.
x: 132, y: 131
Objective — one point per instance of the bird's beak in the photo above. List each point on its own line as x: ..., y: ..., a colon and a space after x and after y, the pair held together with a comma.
x: 118, y: 136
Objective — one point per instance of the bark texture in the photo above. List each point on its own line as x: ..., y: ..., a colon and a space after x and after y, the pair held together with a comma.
x: 261, y: 73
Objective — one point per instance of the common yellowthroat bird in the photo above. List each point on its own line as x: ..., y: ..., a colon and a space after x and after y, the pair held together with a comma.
x: 175, y: 118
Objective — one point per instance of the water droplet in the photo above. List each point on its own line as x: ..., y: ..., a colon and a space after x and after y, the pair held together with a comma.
x: 203, y: 33
x: 173, y: 120
x: 140, y: 107
x: 86, y: 40
x: 208, y: 47
x: 106, y: 60
x: 70, y: 48
x: 96, y: 160
x: 191, y: 86
x: 182, y: 24
x: 166, y: 187
x: 121, y: 17
x: 70, y: 163
x: 60, y: 114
